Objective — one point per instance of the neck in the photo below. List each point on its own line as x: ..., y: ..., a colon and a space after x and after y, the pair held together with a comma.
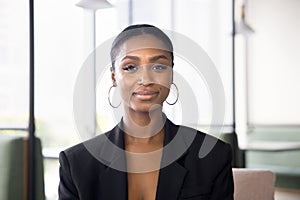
x: 143, y: 124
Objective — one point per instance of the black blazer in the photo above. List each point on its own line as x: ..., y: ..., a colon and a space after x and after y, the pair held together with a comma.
x: 88, y: 175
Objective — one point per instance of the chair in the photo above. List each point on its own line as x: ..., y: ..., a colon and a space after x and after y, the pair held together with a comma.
x: 251, y: 184
x: 13, y: 168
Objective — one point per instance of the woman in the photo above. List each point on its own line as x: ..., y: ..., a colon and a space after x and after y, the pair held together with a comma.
x: 159, y: 159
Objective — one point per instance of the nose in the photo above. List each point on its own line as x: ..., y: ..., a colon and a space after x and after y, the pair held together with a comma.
x: 146, y: 78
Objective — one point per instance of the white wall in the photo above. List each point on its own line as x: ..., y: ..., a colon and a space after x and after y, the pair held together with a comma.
x: 274, y: 62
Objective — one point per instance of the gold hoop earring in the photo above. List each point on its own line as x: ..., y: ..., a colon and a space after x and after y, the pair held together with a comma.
x: 109, y: 98
x: 177, y: 92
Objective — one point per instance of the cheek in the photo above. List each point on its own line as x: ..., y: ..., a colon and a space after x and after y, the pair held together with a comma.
x: 123, y: 78
x: 166, y: 84
x: 165, y: 80
x: 125, y: 81
x: 125, y: 85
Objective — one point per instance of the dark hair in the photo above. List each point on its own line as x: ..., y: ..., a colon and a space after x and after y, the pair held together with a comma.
x: 136, y: 30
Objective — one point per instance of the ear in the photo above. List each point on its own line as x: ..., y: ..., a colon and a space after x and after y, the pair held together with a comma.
x: 113, y: 76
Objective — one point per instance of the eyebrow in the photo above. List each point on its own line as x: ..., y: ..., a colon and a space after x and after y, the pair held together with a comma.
x: 155, y: 58
x: 131, y: 58
x: 152, y: 59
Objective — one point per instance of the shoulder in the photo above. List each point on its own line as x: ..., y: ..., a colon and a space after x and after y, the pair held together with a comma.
x: 204, y: 147
x: 211, y: 144
x: 199, y: 141
x: 84, y: 151
x: 206, y: 157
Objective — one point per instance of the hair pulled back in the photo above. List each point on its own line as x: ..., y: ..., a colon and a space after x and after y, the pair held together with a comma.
x: 136, y: 30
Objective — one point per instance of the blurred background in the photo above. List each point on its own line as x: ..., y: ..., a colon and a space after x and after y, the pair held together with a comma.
x: 257, y: 58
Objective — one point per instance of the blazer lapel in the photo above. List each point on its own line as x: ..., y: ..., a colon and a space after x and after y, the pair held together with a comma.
x: 171, y: 176
x: 113, y: 184
x: 114, y: 177
x: 170, y: 181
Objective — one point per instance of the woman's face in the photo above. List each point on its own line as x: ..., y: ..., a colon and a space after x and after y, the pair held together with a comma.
x: 143, y: 73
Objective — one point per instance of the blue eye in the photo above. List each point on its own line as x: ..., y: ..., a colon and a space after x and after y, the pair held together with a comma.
x: 159, y: 67
x: 130, y: 68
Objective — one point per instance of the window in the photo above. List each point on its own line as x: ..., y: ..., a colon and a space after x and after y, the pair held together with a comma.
x: 14, y: 65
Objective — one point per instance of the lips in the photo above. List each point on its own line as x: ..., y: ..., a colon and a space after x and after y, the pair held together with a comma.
x: 145, y: 94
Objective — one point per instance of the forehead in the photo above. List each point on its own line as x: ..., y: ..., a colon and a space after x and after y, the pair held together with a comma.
x: 141, y: 42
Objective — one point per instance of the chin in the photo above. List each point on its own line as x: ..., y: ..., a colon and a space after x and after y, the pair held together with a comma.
x: 146, y: 108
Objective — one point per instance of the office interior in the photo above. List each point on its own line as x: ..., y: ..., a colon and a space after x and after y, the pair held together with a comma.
x: 254, y: 46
